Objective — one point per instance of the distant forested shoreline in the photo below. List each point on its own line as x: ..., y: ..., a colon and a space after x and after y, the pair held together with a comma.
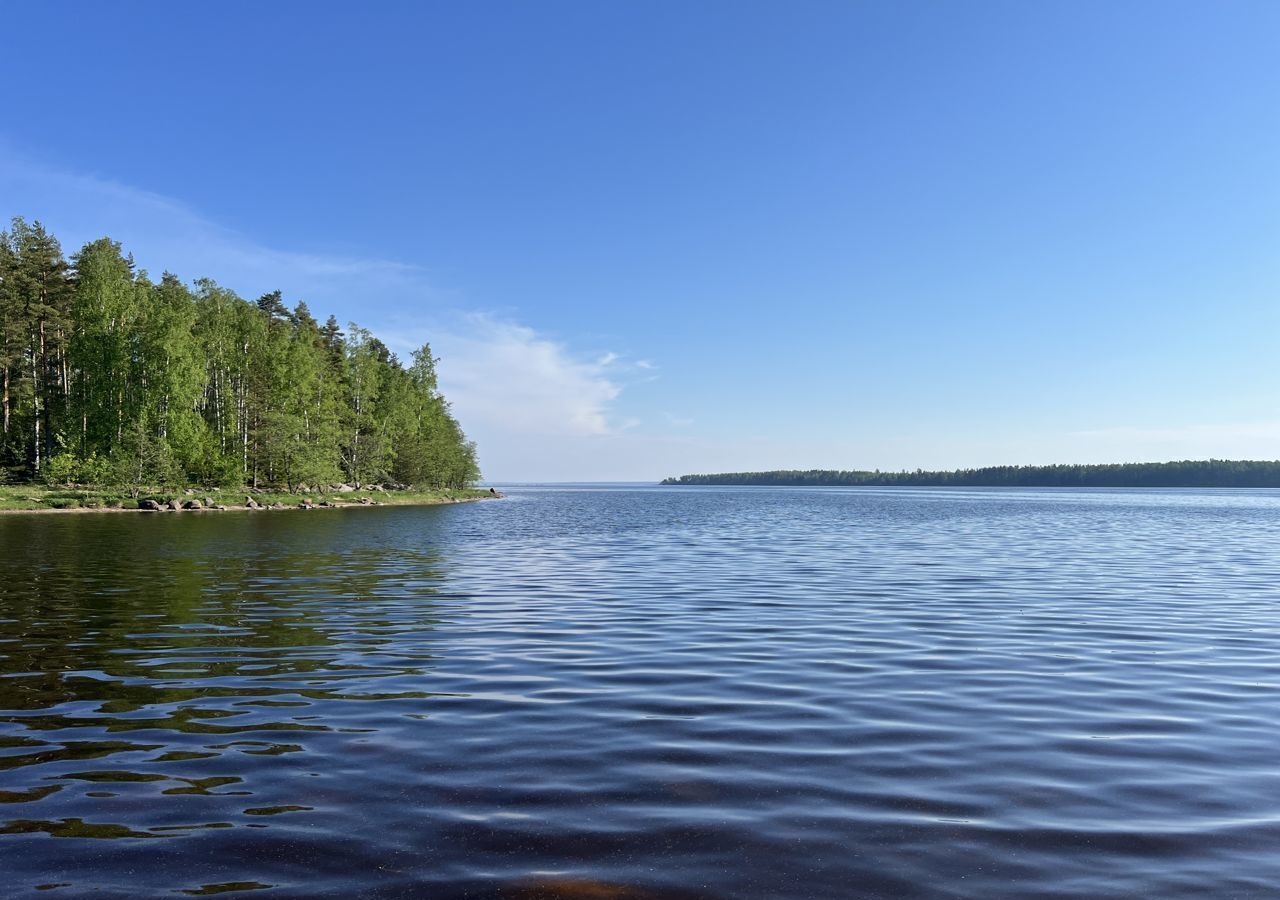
x: 1188, y: 473
x: 110, y: 378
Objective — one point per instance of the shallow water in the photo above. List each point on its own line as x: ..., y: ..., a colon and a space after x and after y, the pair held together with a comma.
x: 649, y: 692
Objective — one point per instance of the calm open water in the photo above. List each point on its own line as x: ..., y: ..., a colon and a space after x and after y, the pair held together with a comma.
x: 648, y: 692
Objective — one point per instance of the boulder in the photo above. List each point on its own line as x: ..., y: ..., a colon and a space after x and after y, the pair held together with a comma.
x: 344, y: 489
x: 149, y: 505
x: 175, y: 505
x: 277, y: 505
x: 193, y: 504
x: 250, y: 503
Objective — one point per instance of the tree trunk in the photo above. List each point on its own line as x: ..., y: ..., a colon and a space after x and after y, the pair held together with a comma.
x: 35, y: 394
x: 41, y: 408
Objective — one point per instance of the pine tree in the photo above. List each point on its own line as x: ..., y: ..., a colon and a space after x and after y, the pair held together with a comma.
x: 11, y: 341
x: 41, y: 297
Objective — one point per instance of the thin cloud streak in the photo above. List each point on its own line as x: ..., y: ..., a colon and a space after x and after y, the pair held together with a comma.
x: 500, y: 374
x: 166, y: 234
x: 510, y: 385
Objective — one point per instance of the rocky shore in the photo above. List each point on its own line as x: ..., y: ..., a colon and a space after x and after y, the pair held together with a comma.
x: 29, y: 499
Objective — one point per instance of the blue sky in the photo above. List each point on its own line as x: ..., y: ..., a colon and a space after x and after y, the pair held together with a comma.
x: 657, y: 238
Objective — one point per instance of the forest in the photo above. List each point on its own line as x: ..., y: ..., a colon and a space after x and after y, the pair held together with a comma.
x: 1213, y: 473
x: 111, y: 378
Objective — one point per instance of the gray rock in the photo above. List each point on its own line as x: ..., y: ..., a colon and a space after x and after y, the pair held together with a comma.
x: 149, y: 505
x: 193, y: 504
x: 250, y: 503
x: 175, y: 505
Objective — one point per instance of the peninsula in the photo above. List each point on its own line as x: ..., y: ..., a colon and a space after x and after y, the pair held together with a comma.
x: 119, y: 391
x: 1212, y: 473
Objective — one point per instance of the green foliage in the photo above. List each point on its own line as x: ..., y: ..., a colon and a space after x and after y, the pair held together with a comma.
x: 35, y: 303
x: 95, y: 469
x: 142, y: 459
x: 109, y: 378
x: 1214, y: 473
x: 60, y: 469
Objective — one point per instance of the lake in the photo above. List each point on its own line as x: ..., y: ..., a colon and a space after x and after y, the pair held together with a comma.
x: 609, y: 692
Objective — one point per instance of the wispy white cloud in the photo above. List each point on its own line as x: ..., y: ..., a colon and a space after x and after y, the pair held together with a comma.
x: 164, y: 233
x: 537, y: 407
x: 503, y: 376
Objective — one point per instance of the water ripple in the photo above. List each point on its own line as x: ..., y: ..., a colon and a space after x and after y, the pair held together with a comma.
x: 637, y: 693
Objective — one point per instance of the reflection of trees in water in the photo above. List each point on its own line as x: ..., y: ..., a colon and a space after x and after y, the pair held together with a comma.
x: 145, y: 636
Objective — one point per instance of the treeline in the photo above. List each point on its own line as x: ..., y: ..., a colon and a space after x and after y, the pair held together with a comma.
x: 109, y: 377
x: 1222, y: 473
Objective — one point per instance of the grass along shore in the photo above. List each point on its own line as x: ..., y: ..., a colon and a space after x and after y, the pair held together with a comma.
x: 26, y: 498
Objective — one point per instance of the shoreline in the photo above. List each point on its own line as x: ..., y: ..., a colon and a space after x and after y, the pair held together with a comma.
x: 1186, y: 473
x: 277, y: 503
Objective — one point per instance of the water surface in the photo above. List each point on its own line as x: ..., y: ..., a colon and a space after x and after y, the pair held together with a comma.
x: 648, y: 692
